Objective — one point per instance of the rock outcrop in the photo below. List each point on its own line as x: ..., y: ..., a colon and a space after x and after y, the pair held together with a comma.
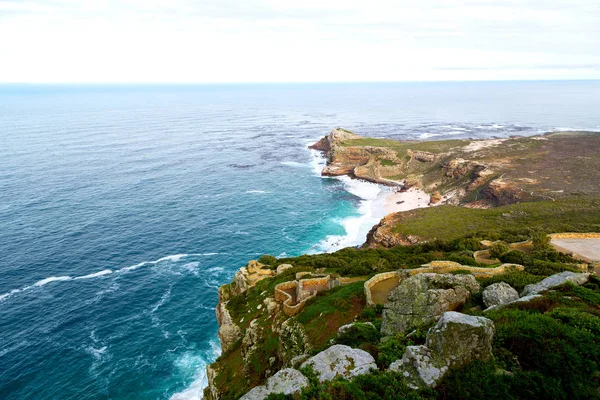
x: 340, y: 360
x: 556, y: 280
x: 286, y: 381
x: 229, y: 332
x: 422, y: 298
x: 248, y: 276
x: 456, y: 340
x: 293, y: 342
x: 499, y: 293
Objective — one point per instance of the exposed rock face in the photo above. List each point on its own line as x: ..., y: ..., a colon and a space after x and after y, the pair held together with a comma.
x: 502, y: 192
x: 423, y: 156
x: 252, y: 336
x: 248, y: 276
x: 357, y: 161
x: 293, y: 341
x: 556, y: 280
x: 341, y: 360
x: 456, y: 340
x: 210, y: 393
x: 499, y: 293
x: 229, y: 332
x: 422, y: 298
x: 286, y: 381
x: 382, y: 234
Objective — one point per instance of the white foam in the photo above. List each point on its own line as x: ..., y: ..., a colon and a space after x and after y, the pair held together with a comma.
x: 96, y: 274
x: 295, y: 164
x: 318, y: 160
x: 52, y: 279
x: 256, y: 191
x: 370, y: 211
x: 196, y: 362
x: 427, y: 135
x: 166, y: 295
x: 173, y: 258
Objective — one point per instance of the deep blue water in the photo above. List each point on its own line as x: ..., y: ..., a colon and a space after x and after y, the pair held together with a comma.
x: 123, y: 208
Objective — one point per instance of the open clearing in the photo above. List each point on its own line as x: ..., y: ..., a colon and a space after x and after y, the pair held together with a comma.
x: 587, y: 249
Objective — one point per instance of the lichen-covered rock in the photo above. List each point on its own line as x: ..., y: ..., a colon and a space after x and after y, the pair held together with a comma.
x: 556, y: 280
x: 228, y: 332
x: 340, y: 360
x: 247, y: 277
x: 293, y: 341
x: 286, y: 381
x: 524, y: 299
x: 499, y: 293
x: 423, y: 298
x: 210, y: 392
x: 252, y: 336
x: 272, y: 305
x: 283, y: 267
x: 418, y: 367
x: 456, y: 340
x: 459, y: 339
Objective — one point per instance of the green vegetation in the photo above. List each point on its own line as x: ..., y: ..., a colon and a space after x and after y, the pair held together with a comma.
x: 267, y: 259
x: 323, y: 315
x: 546, y: 348
x: 385, y: 162
x: 512, y: 223
x: 437, y: 146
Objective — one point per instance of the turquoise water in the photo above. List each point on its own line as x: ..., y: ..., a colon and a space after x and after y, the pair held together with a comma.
x: 122, y: 209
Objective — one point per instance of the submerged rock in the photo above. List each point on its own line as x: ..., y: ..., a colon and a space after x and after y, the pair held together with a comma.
x: 286, y: 381
x: 341, y: 360
x: 422, y: 298
x: 499, y: 293
x: 456, y: 340
x: 556, y: 280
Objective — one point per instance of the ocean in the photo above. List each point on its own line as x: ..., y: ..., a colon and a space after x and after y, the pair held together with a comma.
x: 123, y: 208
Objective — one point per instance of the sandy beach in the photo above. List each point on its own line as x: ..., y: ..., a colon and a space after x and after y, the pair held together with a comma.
x: 404, y: 201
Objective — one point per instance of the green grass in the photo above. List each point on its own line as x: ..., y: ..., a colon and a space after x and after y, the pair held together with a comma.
x: 385, y: 162
x: 437, y: 146
x: 452, y: 222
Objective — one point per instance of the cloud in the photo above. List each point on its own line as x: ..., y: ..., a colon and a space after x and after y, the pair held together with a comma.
x: 297, y: 40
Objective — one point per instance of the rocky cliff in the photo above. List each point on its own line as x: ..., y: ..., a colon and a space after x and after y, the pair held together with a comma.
x: 423, y: 337
x: 472, y: 173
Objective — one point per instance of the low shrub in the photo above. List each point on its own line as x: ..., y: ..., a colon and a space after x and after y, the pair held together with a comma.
x: 359, y: 334
x: 267, y: 260
x: 518, y: 280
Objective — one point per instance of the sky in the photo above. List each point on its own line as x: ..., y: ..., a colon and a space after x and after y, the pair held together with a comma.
x: 214, y: 41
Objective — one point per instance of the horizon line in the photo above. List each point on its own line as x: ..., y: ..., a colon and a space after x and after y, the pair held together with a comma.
x: 288, y: 82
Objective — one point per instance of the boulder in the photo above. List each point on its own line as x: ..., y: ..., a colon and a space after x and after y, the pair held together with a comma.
x: 283, y: 267
x: 459, y: 338
x: 340, y: 360
x: 499, y: 293
x: 423, y: 298
x: 456, y: 340
x: 554, y: 281
x: 524, y: 299
x: 286, y: 381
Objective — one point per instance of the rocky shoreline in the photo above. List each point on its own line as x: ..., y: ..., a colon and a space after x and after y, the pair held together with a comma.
x: 253, y: 327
